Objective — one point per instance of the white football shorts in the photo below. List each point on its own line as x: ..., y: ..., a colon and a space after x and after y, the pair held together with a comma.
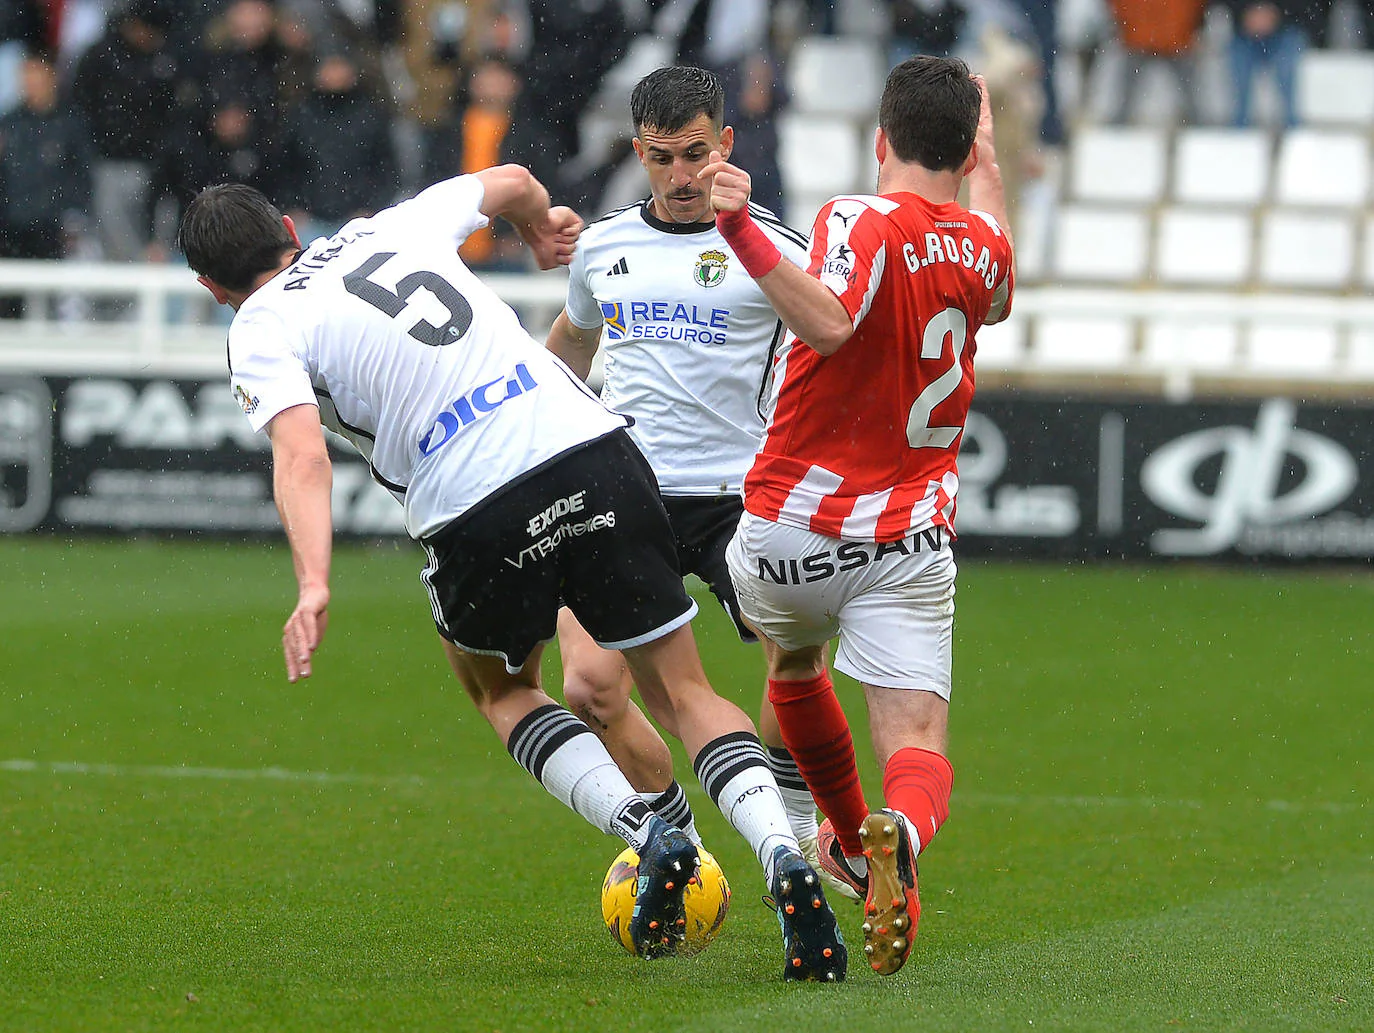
x: 891, y: 604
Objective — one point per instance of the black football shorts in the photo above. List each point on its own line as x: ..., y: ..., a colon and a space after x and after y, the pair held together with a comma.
x: 588, y: 530
x: 703, y: 526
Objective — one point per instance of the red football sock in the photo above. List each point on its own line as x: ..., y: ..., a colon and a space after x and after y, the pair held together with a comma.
x: 817, y: 735
x: 917, y: 782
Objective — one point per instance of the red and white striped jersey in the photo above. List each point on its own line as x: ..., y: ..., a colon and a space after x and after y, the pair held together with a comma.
x: 862, y: 444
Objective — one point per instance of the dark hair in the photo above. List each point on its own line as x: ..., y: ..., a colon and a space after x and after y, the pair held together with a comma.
x: 233, y: 234
x: 929, y: 112
x: 668, y: 98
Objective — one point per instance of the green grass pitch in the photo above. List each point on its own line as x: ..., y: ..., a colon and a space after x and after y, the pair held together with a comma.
x: 1161, y: 819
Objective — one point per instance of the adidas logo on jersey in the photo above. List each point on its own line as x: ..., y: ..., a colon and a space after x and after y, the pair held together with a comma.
x: 619, y: 269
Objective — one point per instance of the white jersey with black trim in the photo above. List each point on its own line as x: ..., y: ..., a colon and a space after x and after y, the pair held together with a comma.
x: 411, y: 358
x: 686, y: 340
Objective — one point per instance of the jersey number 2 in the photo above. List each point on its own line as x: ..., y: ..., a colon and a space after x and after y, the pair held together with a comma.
x: 953, y: 324
x: 379, y: 297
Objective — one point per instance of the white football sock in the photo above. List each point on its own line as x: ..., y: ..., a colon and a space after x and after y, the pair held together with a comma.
x: 800, y: 804
x: 572, y: 764
x: 735, y: 774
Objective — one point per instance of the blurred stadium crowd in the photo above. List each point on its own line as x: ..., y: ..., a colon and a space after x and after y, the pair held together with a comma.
x: 114, y: 112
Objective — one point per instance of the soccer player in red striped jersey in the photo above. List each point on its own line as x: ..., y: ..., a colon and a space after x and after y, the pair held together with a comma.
x: 849, y: 505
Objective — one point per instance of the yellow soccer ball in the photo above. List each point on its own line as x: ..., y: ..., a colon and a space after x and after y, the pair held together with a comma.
x: 706, y: 901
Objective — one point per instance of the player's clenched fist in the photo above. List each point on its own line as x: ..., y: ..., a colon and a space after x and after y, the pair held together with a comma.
x: 554, y: 240
x: 984, y: 133
x: 729, y: 184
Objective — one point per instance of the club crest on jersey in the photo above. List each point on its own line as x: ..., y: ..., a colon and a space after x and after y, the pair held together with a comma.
x: 710, y: 270
x: 248, y: 403
x: 613, y: 312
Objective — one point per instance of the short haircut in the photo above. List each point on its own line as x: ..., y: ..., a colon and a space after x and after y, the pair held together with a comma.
x: 668, y: 98
x: 232, y: 234
x: 929, y: 112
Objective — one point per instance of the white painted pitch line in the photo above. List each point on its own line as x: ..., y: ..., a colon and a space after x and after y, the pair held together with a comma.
x: 334, y: 778
x: 213, y: 774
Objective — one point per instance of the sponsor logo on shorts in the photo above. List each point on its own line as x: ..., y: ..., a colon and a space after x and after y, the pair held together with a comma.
x: 818, y: 566
x: 563, y: 507
x: 560, y: 531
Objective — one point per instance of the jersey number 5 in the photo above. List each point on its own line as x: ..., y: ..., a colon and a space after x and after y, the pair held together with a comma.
x: 379, y: 297
x: 953, y: 324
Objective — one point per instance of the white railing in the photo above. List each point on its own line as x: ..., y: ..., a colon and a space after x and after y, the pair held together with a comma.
x: 129, y: 317
x: 1178, y: 343
x: 83, y: 317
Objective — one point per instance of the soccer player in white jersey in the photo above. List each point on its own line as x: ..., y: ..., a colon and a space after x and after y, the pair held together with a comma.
x: 849, y: 505
x: 523, y: 489
x: 687, y: 339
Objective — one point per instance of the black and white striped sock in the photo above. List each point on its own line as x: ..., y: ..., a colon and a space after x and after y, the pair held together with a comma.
x: 800, y: 804
x: 671, y: 805
x: 735, y: 774
x: 572, y: 764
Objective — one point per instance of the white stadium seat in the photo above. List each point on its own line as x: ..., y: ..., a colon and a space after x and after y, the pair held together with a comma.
x: 1323, y: 168
x: 1222, y: 166
x: 818, y: 155
x: 1306, y: 249
x: 1360, y: 360
x: 1188, y: 344
x: 1293, y: 350
x: 1368, y: 264
x: 1002, y: 345
x: 1107, y: 245
x: 1336, y: 87
x: 1118, y: 164
x: 802, y: 206
x: 835, y: 75
x: 1203, y: 247
x: 1082, y: 343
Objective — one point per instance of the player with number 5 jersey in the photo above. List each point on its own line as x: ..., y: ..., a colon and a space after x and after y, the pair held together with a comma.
x: 850, y: 503
x: 524, y: 490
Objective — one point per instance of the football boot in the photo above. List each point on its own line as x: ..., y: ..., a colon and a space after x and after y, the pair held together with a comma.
x: 659, y: 922
x: 815, y: 857
x: 812, y: 944
x: 834, y: 868
x: 892, y: 909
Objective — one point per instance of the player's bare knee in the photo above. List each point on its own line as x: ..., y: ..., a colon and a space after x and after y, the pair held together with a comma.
x: 695, y: 695
x: 488, y: 696
x: 794, y: 664
x: 597, y: 703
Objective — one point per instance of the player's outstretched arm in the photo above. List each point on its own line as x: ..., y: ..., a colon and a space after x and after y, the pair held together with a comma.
x: 513, y: 193
x: 573, y: 344
x: 805, y: 305
x: 987, y: 194
x: 985, y: 190
x: 302, y: 479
